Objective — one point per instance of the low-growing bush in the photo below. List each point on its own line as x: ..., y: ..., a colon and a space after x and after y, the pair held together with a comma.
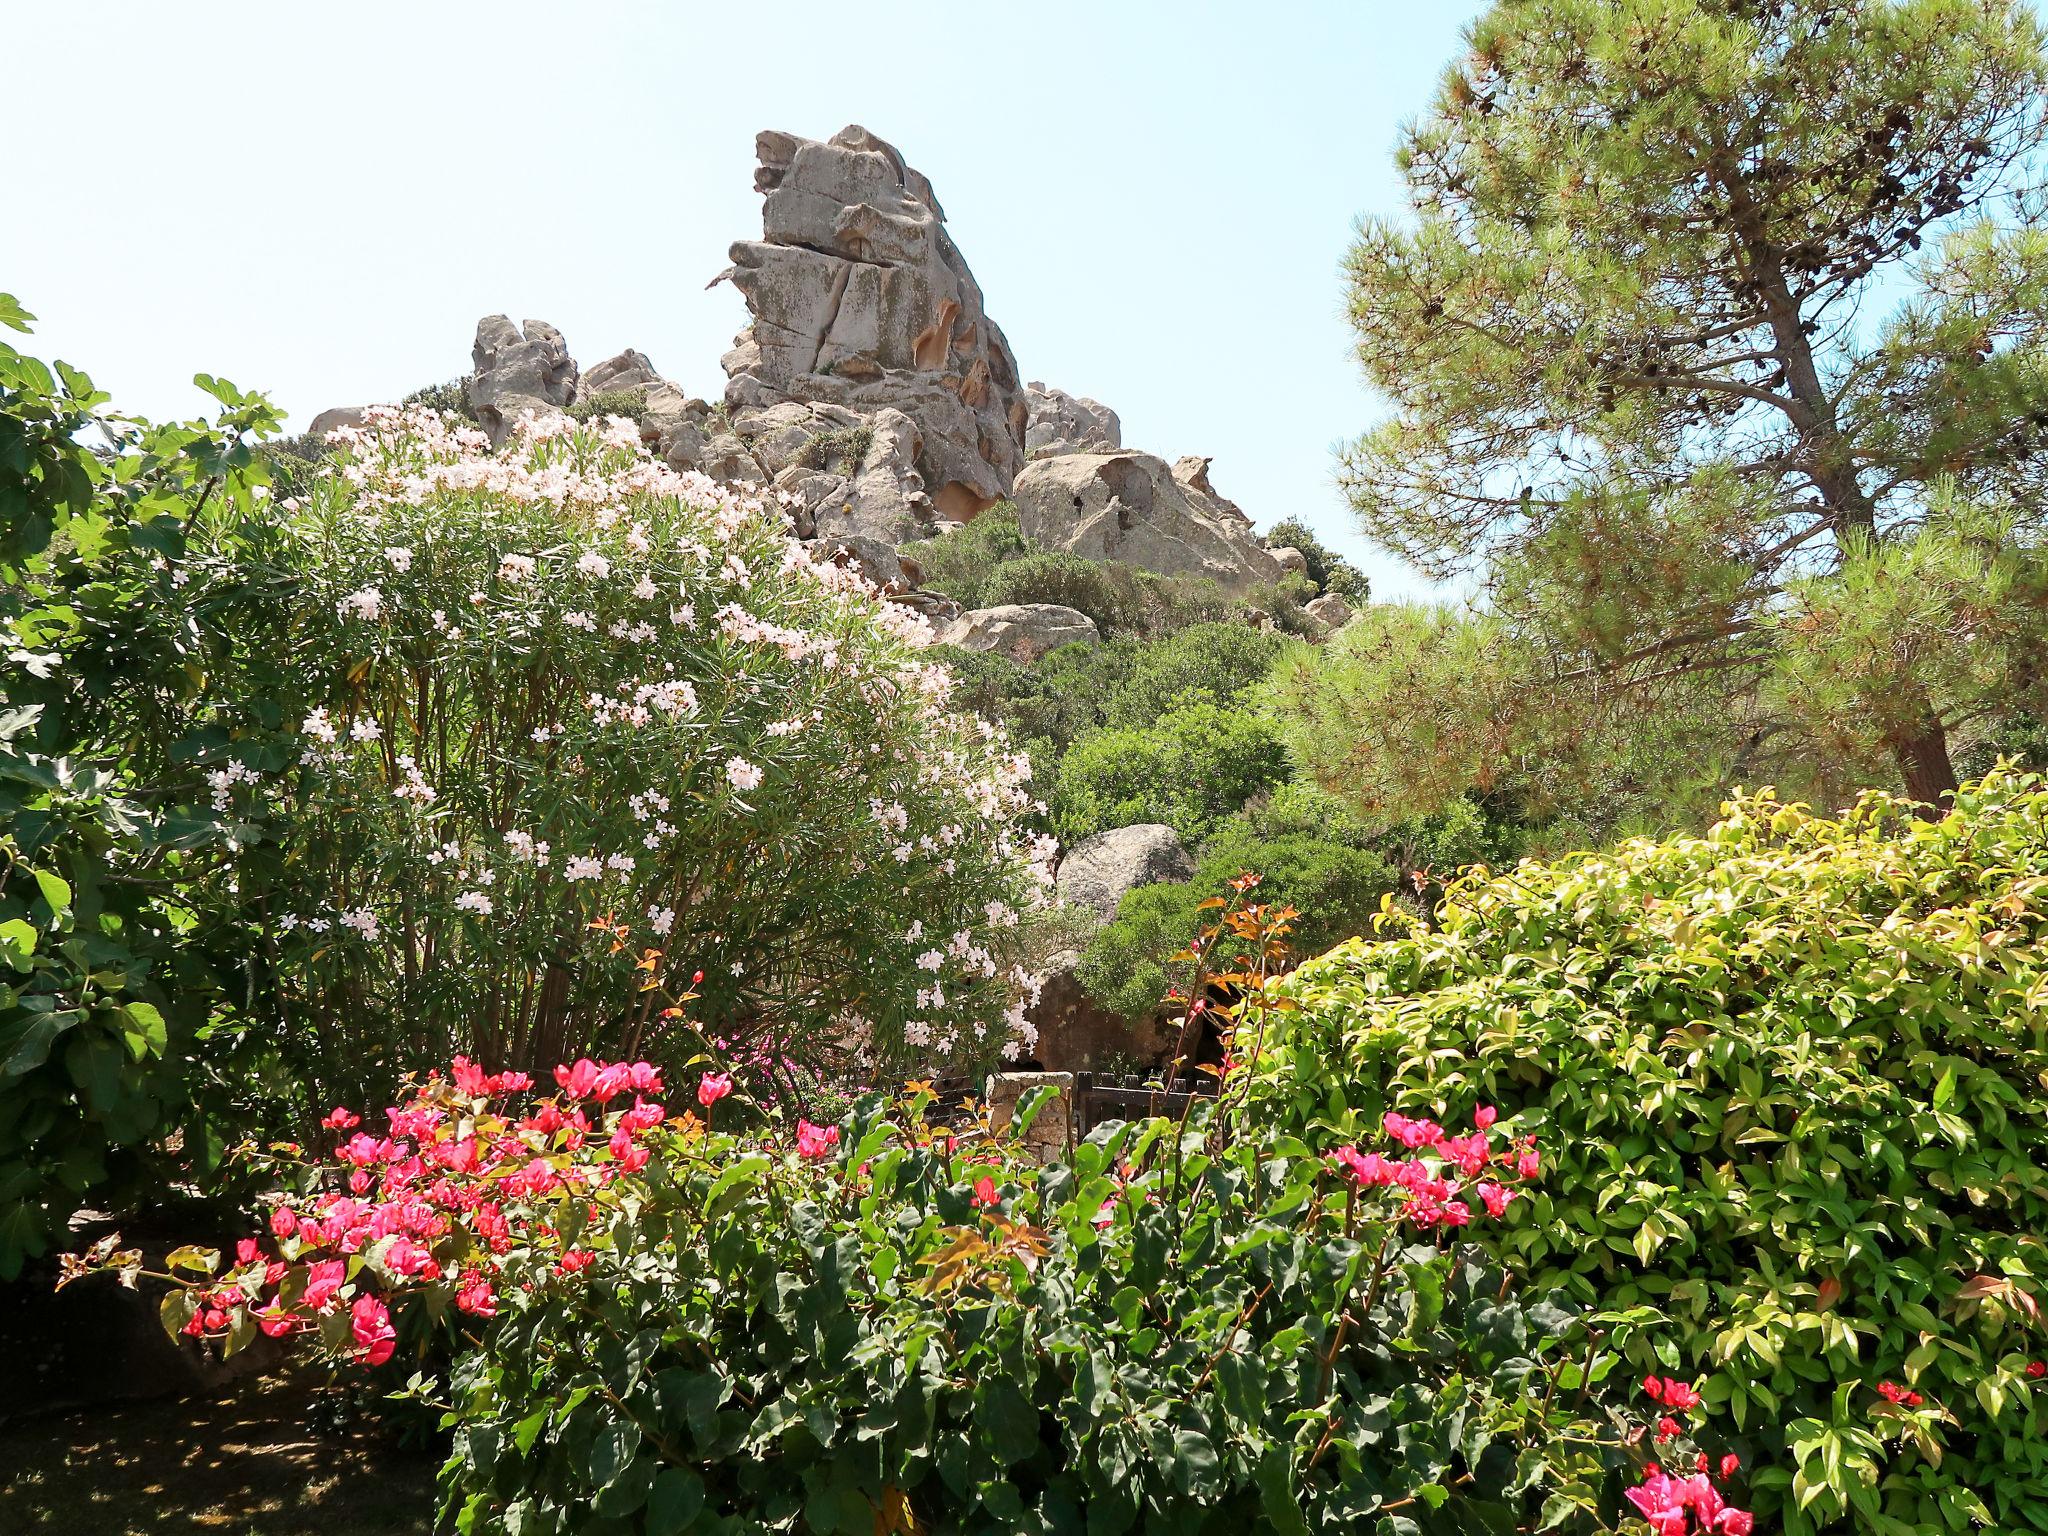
x: 1189, y: 769
x: 958, y: 562
x: 1330, y: 571
x: 627, y: 404
x: 886, y: 1326
x: 1219, y: 661
x: 1791, y: 1074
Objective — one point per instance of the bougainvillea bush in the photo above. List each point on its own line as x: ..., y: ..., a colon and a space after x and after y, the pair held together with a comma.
x: 890, y: 1326
x: 1791, y: 1077
x: 564, y: 713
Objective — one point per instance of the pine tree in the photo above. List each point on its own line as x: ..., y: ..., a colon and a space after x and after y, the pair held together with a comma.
x: 1711, y: 316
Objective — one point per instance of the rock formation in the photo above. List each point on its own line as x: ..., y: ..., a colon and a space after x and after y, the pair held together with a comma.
x: 517, y: 371
x: 1098, y: 871
x: 1330, y: 610
x: 860, y: 299
x: 1131, y: 507
x: 1064, y: 423
x: 1021, y: 631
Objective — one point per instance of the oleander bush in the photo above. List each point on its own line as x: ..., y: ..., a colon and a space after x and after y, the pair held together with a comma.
x: 561, y: 714
x: 1791, y: 1078
x: 666, y: 1325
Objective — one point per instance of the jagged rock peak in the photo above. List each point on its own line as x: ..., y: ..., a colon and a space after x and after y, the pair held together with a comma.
x: 860, y: 299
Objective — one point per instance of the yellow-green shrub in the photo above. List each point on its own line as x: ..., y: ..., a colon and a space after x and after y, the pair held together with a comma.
x: 1791, y: 1074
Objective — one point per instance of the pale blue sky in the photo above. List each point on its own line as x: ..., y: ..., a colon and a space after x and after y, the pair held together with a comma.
x: 319, y: 200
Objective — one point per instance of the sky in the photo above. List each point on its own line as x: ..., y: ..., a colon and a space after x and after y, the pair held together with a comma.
x: 320, y: 201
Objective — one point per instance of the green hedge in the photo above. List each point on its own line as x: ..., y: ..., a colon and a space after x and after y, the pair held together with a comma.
x: 1791, y: 1074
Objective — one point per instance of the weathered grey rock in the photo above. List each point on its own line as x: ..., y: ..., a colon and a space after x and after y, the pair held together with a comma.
x: 941, y: 610
x: 333, y: 419
x: 1062, y: 423
x: 1131, y: 507
x: 882, y: 565
x: 1191, y: 470
x: 860, y: 299
x: 1330, y: 610
x: 1290, y: 558
x: 1098, y: 871
x: 517, y: 371
x: 1021, y: 631
x: 630, y: 370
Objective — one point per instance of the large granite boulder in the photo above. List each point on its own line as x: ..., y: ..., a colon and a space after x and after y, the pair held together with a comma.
x: 1131, y: 507
x: 1078, y: 1034
x: 1329, y: 610
x: 1062, y: 423
x: 517, y: 371
x: 1097, y: 871
x: 630, y: 371
x: 1021, y: 631
x: 860, y: 299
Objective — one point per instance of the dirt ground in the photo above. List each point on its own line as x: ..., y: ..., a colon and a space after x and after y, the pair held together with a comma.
x: 244, y: 1464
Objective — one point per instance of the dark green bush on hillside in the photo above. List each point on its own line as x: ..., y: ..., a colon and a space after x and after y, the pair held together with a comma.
x: 1190, y: 769
x: 450, y: 399
x: 1309, y: 853
x: 1791, y: 1077
x: 1221, y: 661
x: 1330, y: 571
x: 959, y: 561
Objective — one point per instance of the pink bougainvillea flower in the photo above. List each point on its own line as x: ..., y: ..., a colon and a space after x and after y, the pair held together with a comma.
x: 1366, y: 1168
x: 1412, y: 1133
x: 370, y: 1322
x: 339, y: 1119
x: 282, y: 1222
x: 1484, y: 1116
x: 246, y: 1251
x: 815, y: 1141
x: 1730, y: 1465
x: 2036, y: 1369
x: 1468, y: 1154
x: 1497, y: 1197
x: 985, y: 1194
x: 577, y: 1081
x: 1528, y: 1164
x: 475, y: 1295
x: 575, y: 1261
x: 712, y: 1087
x: 1679, y: 1395
x: 323, y: 1280
x: 1892, y: 1392
x: 1669, y: 1428
x: 276, y: 1322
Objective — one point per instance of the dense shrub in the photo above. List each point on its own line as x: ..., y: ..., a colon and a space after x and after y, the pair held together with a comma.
x: 1309, y: 853
x: 1221, y: 661
x: 883, y: 1327
x: 1791, y: 1073
x: 448, y: 399
x: 568, y: 715
x: 120, y: 934
x: 1330, y: 571
x: 626, y: 404
x: 959, y: 561
x: 1189, y: 769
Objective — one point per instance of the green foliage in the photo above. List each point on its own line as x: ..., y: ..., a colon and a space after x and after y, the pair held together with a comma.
x: 1310, y: 854
x: 450, y: 399
x: 1193, y: 766
x: 959, y: 561
x: 1665, y: 366
x: 1221, y: 663
x: 844, y: 448
x: 118, y: 922
x: 628, y: 403
x: 1143, y: 1340
x: 1788, y: 1081
x: 1412, y: 708
x: 1330, y: 571
x: 986, y: 563
x: 553, y: 753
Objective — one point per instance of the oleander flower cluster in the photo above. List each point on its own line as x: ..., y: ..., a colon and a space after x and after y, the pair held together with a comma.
x: 570, y: 712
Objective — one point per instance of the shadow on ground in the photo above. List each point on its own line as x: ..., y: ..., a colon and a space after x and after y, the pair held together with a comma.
x: 244, y: 1464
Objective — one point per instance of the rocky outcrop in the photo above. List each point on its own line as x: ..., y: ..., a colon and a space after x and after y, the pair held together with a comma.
x: 1062, y: 423
x: 1078, y: 1034
x: 630, y: 371
x: 334, y: 419
x: 1099, y: 871
x: 1021, y: 631
x: 1131, y: 507
x: 1329, y: 610
x: 860, y: 299
x: 1291, y: 559
x: 517, y: 371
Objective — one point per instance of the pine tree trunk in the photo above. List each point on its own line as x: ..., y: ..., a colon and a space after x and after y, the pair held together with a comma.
x: 1924, y: 765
